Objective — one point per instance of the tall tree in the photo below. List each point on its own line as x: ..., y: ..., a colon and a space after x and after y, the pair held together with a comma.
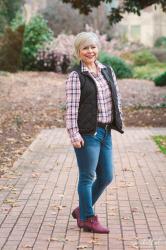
x: 8, y: 9
x: 116, y: 14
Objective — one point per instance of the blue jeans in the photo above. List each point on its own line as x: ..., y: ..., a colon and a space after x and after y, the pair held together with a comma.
x: 94, y: 159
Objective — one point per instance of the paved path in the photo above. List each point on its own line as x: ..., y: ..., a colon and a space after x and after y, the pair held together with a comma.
x: 39, y: 193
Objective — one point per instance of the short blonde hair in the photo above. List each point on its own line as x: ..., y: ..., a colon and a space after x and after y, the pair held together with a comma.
x: 84, y: 39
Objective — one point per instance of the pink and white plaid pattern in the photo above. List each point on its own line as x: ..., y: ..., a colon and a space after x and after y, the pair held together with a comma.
x: 104, y: 99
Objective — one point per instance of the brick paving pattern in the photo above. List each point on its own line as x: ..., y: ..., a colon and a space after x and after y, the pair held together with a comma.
x: 38, y: 194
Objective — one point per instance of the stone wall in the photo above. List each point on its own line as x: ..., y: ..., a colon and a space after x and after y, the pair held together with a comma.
x: 145, y: 28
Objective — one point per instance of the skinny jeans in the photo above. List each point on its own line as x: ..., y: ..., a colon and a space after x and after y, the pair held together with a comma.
x: 95, y: 165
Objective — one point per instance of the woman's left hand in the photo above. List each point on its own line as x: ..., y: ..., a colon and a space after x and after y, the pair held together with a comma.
x: 78, y: 144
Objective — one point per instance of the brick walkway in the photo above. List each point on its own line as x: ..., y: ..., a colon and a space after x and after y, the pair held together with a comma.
x: 39, y: 193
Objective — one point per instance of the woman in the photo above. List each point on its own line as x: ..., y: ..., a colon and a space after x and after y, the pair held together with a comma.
x: 93, y: 109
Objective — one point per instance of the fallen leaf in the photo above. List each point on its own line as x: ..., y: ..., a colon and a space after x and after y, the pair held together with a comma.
x: 96, y: 242
x: 82, y: 246
x: 134, y: 209
x: 133, y: 245
x: 15, y: 205
x: 27, y: 246
x: 125, y: 218
x: 9, y: 201
x: 59, y: 207
x: 35, y: 175
x: 14, y: 192
x: 112, y: 214
x: 130, y: 184
x: 58, y: 239
x: 51, y: 239
x: 127, y: 169
x: 51, y: 225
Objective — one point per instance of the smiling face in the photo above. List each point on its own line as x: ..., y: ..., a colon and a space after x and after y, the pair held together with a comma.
x: 86, y: 47
x: 88, y: 53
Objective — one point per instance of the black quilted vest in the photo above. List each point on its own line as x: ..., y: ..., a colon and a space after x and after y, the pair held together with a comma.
x: 87, y: 113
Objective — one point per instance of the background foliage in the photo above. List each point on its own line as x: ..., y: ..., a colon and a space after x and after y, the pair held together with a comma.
x: 161, y: 42
x: 37, y: 33
x: 116, y: 13
x: 8, y: 10
x: 160, y: 80
x: 121, y: 69
x: 143, y: 57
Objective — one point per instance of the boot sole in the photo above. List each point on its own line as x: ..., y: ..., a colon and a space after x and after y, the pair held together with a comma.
x: 86, y: 229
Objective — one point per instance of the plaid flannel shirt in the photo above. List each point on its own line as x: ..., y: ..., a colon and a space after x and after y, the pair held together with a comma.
x: 104, y: 99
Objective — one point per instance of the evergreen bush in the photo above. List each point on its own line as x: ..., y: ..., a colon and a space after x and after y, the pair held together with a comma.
x: 121, y: 69
x: 160, y: 80
x: 144, y: 57
x: 37, y: 33
x: 160, y: 42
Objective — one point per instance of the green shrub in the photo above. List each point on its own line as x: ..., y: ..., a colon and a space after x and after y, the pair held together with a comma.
x: 161, y: 142
x: 160, y: 42
x: 8, y: 10
x: 160, y: 53
x: 121, y: 69
x: 160, y: 80
x: 17, y: 21
x: 144, y: 57
x: 37, y: 33
x: 149, y: 71
x: 127, y: 57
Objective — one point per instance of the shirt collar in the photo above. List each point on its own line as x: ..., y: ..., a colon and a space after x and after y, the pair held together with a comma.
x: 98, y: 64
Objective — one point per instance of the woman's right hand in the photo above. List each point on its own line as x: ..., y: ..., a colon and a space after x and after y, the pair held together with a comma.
x: 78, y: 144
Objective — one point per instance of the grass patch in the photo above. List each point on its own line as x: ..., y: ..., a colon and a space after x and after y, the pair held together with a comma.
x: 149, y: 71
x: 161, y: 142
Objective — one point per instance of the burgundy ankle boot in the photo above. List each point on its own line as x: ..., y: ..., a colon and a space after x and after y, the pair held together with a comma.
x: 92, y: 224
x: 76, y: 215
